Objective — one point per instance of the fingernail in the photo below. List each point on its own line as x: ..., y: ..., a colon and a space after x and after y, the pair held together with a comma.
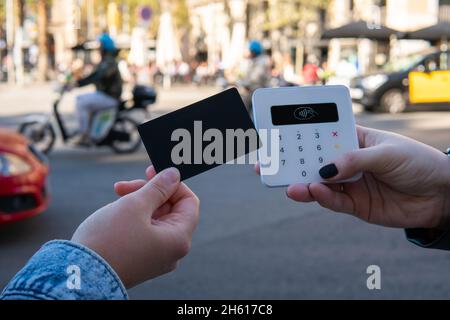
x: 329, y: 171
x: 171, y: 175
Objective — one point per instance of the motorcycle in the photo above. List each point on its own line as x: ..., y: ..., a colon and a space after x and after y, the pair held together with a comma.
x: 111, y: 128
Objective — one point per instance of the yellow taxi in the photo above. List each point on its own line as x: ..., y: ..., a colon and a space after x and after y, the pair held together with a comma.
x: 414, y: 80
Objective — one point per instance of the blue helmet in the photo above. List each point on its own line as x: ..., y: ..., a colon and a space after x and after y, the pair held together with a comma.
x: 107, y: 43
x: 256, y: 47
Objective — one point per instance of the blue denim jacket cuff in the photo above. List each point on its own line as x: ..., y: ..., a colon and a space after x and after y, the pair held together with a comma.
x: 63, y: 269
x: 420, y: 237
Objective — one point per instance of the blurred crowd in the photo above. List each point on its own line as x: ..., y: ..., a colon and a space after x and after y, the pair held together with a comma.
x: 279, y: 69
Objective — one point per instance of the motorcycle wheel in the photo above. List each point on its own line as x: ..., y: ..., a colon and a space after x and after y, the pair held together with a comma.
x: 125, y: 125
x: 42, y: 136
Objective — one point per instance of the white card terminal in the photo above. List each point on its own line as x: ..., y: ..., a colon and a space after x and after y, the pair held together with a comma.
x: 315, y: 126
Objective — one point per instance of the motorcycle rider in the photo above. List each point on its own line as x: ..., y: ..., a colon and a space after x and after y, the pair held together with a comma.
x: 258, y: 73
x: 108, y: 83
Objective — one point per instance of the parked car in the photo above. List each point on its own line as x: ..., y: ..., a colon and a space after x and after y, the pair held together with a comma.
x: 421, y: 79
x: 23, y: 178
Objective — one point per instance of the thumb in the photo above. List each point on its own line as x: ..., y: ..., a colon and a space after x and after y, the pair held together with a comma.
x: 159, y: 189
x: 350, y: 164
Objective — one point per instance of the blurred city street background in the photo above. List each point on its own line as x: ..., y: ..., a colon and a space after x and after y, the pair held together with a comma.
x: 252, y: 242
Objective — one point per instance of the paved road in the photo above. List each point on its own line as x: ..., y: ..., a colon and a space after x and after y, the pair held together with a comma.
x: 251, y: 242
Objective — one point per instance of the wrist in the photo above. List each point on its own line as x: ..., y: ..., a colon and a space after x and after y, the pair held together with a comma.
x: 445, y: 225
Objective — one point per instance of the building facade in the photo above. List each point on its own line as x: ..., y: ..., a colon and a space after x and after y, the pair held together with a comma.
x: 401, y: 15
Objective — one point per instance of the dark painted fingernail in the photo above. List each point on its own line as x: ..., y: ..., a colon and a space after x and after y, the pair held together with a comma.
x: 329, y: 171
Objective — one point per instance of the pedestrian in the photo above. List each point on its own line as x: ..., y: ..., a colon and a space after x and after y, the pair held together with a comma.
x: 201, y: 74
x: 324, y: 73
x: 289, y: 76
x: 311, y: 71
x: 183, y: 72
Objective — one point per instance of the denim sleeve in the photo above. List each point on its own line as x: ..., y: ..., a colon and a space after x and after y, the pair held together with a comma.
x: 429, y: 239
x: 65, y: 270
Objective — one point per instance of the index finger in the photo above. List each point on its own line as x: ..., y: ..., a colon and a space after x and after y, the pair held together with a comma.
x: 122, y: 188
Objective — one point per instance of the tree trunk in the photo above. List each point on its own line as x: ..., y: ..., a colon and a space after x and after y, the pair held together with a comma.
x: 42, y: 40
x: 18, y: 41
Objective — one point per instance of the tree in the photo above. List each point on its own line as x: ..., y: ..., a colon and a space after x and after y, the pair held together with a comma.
x: 299, y: 11
x: 179, y: 10
x: 42, y: 20
x: 19, y: 17
x: 2, y: 13
x: 129, y: 6
x: 2, y: 19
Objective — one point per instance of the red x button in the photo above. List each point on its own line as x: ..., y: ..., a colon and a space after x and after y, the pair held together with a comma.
x: 335, y: 133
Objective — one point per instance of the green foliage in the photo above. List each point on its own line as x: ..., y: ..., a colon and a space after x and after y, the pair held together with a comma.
x: 181, y: 13
x: 179, y: 9
x: 299, y: 11
x: 2, y: 13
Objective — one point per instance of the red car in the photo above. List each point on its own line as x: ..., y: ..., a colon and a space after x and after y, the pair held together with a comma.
x: 23, y: 178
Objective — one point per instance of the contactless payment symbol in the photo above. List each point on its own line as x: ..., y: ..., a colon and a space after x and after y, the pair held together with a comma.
x: 305, y: 113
